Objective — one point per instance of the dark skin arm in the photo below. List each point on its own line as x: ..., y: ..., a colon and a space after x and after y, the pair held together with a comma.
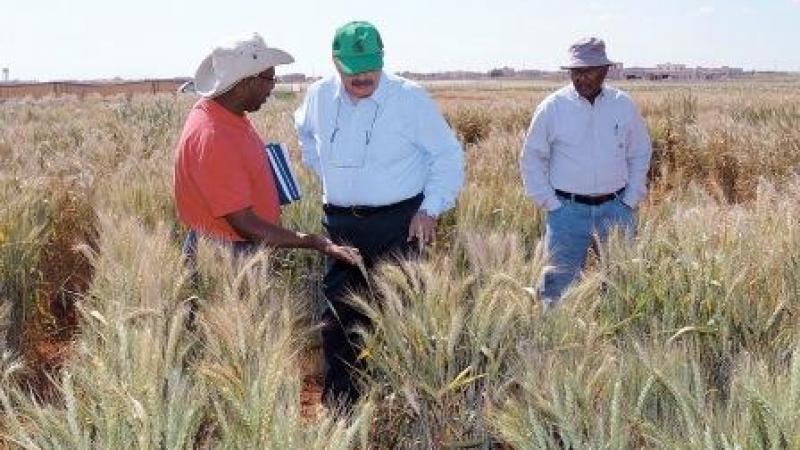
x: 251, y: 227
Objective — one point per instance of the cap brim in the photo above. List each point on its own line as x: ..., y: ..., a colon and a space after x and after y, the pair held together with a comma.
x: 352, y: 65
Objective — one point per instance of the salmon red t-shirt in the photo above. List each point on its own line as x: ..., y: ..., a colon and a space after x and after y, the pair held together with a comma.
x: 220, y: 168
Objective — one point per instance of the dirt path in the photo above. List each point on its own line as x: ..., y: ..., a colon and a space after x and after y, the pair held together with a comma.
x: 311, y: 394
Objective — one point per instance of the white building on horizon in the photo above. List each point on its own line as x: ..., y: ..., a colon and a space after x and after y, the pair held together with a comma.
x: 672, y: 71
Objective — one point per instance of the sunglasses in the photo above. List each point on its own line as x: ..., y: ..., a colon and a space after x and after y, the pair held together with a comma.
x: 269, y: 78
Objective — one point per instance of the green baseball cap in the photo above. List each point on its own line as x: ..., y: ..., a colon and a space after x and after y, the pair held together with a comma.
x: 358, y: 48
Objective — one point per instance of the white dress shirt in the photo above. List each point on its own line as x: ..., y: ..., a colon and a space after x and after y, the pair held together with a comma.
x: 382, y: 149
x: 587, y: 149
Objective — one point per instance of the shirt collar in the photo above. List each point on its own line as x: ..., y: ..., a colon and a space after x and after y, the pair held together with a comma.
x: 379, y: 96
x: 218, y: 112
x: 576, y: 96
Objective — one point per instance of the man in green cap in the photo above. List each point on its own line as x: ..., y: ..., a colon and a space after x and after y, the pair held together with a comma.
x: 389, y: 166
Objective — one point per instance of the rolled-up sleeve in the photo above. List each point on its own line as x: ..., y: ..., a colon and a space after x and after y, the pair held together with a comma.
x: 446, y: 157
x: 535, y: 158
x: 305, y: 132
x: 638, y: 152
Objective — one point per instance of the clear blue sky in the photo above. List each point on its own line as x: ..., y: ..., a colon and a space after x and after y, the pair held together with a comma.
x: 86, y: 39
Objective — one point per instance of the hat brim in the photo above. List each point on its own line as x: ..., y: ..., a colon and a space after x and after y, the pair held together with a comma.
x: 587, y: 64
x: 208, y: 84
x: 353, y: 65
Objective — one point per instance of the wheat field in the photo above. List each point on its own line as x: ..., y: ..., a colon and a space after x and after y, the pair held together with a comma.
x: 689, y: 337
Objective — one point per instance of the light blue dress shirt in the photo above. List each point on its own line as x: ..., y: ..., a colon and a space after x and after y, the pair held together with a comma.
x: 382, y: 149
x: 584, y: 148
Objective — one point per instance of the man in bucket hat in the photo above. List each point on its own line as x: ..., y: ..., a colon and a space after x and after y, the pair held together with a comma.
x: 389, y: 166
x: 224, y: 188
x: 584, y: 161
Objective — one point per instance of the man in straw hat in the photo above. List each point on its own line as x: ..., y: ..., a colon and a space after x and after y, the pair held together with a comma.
x: 224, y: 188
x: 389, y: 166
x: 584, y: 161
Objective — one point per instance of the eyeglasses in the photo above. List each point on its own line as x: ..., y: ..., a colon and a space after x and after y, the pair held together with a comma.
x: 367, y: 133
x: 590, y: 73
x: 269, y: 78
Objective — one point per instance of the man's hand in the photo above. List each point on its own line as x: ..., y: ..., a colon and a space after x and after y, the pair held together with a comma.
x: 422, y: 228
x: 343, y: 253
x: 248, y: 225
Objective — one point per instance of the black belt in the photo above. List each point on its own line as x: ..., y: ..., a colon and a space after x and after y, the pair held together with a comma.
x: 589, y: 199
x: 364, y: 211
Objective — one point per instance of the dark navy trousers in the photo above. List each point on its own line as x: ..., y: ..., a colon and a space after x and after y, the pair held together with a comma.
x: 379, y: 236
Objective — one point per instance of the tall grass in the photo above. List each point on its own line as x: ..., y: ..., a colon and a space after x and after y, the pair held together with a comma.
x: 140, y: 379
x: 686, y: 338
x: 136, y: 376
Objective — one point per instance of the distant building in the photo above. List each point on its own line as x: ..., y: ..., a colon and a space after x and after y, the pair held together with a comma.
x: 5, y: 74
x: 449, y: 75
x: 670, y: 71
x: 615, y: 71
x: 293, y: 78
x: 98, y: 87
x: 502, y: 72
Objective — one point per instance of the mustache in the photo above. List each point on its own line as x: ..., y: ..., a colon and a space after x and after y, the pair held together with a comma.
x: 362, y: 83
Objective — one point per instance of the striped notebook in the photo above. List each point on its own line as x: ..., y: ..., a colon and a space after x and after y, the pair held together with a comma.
x: 282, y: 173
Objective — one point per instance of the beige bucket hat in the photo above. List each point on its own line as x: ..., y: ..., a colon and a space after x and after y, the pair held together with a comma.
x: 587, y: 52
x: 234, y: 61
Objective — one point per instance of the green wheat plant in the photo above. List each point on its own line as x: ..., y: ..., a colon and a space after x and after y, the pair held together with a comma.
x: 684, y: 337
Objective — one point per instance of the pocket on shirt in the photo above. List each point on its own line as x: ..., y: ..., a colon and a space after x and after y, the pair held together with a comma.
x: 347, y: 151
x: 621, y: 131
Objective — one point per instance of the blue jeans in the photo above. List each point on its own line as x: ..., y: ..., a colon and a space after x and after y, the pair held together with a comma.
x: 570, y: 231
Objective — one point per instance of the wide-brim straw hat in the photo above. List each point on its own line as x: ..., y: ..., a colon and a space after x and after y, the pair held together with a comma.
x: 588, y: 52
x: 234, y: 61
